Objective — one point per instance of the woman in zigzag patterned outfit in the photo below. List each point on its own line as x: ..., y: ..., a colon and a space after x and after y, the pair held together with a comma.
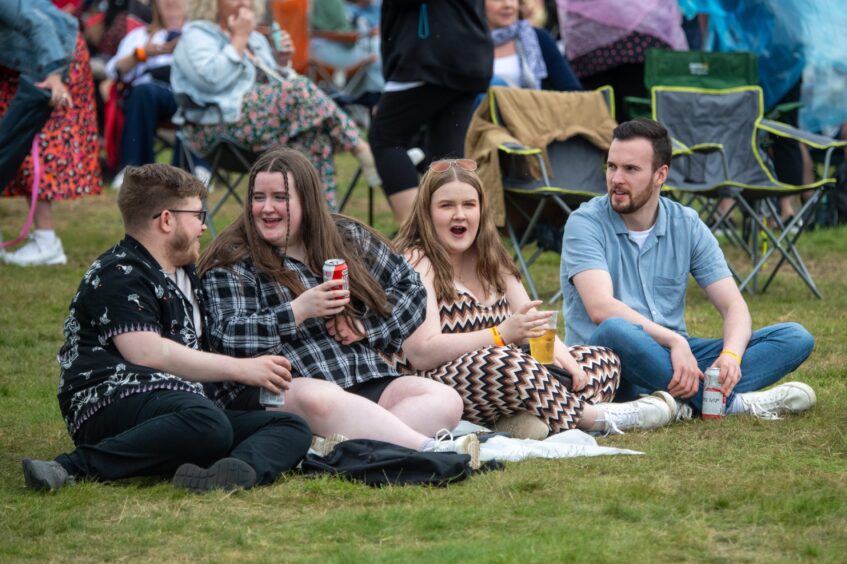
x: 478, y: 315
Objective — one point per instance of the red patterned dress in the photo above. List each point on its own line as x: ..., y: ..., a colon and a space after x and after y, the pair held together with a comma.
x: 69, y: 144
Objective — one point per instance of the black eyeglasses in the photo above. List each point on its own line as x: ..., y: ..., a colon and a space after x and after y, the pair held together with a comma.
x: 443, y: 165
x: 199, y: 214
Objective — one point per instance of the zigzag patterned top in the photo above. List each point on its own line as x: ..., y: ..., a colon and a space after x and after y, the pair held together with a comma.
x: 466, y: 314
x: 463, y: 315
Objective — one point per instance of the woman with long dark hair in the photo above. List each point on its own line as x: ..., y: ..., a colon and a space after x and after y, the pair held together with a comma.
x: 264, y: 292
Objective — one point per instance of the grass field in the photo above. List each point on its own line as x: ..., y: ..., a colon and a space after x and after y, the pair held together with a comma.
x: 736, y: 490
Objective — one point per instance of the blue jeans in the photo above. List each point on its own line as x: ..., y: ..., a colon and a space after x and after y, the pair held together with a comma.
x: 772, y: 353
x: 145, y: 107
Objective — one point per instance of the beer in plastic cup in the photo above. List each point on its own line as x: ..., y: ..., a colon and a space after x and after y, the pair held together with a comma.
x: 541, y: 348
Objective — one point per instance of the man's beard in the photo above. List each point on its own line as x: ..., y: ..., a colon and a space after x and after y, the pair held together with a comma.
x: 182, y: 250
x: 633, y: 205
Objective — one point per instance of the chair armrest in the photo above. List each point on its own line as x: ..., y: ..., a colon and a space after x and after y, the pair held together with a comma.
x: 680, y: 149
x: 807, y: 138
x: 514, y: 151
x: 518, y: 149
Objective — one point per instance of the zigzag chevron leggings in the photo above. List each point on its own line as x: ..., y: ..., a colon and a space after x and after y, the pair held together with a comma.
x: 495, y: 382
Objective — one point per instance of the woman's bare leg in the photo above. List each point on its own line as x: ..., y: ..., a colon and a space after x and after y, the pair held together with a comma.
x: 328, y: 409
x: 423, y: 404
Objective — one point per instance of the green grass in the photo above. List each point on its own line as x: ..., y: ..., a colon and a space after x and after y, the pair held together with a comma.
x: 736, y: 490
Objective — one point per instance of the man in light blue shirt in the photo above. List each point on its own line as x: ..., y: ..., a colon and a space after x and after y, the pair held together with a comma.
x: 625, y: 263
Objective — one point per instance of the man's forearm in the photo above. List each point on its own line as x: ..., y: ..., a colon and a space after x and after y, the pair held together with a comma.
x: 155, y: 351
x: 737, y: 329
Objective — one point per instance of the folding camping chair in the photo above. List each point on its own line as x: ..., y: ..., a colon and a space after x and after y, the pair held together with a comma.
x: 545, y: 183
x: 229, y: 161
x: 696, y: 69
x: 718, y: 153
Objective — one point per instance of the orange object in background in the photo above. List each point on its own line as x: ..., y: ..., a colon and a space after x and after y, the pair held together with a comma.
x: 293, y: 17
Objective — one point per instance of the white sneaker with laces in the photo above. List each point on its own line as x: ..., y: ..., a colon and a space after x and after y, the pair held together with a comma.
x: 683, y: 411
x: 648, y: 412
x: 38, y: 253
x: 469, y: 444
x: 791, y: 397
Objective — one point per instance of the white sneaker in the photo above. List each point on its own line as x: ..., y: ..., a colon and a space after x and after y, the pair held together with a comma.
x: 118, y: 180
x: 38, y: 253
x: 203, y: 174
x: 648, y: 412
x: 469, y: 444
x: 791, y: 397
x: 683, y: 411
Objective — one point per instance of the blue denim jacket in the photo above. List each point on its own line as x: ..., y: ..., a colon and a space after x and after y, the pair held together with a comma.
x: 36, y: 38
x: 207, y: 69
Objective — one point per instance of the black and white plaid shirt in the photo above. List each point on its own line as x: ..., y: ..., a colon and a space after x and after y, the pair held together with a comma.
x: 250, y: 315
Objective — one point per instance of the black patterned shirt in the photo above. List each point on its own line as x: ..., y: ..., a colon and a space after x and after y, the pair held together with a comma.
x: 124, y: 290
x: 250, y: 315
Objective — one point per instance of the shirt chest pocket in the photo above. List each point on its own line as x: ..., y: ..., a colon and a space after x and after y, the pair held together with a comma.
x: 669, y: 293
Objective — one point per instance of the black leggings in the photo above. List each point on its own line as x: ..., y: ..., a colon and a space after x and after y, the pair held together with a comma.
x: 399, y: 119
x: 153, y: 433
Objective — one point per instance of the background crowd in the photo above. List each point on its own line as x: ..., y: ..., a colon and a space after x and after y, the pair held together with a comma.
x: 299, y: 70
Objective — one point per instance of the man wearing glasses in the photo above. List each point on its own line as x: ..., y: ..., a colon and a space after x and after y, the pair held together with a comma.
x: 132, y: 366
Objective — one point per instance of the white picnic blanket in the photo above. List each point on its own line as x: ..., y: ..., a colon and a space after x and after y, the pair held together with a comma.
x: 567, y: 444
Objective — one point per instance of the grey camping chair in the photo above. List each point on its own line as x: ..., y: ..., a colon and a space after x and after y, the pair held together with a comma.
x: 718, y: 153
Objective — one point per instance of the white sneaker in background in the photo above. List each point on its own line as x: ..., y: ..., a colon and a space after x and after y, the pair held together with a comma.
x: 203, y: 174
x: 791, y: 397
x: 469, y: 444
x: 118, y: 180
x: 37, y: 252
x: 648, y: 412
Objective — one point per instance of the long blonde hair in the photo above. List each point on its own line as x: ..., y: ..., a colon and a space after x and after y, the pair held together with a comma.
x: 319, y: 230
x: 418, y: 234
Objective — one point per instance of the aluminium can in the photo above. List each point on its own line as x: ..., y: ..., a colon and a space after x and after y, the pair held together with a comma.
x: 336, y: 269
x: 269, y: 399
x: 714, y: 402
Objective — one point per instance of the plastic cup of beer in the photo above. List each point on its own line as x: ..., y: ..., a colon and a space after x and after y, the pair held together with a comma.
x: 541, y: 348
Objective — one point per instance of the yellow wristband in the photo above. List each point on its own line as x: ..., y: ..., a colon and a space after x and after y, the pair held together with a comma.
x: 732, y: 354
x: 498, y: 339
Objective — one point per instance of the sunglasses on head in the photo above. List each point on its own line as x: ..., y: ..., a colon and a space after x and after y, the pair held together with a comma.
x: 444, y: 165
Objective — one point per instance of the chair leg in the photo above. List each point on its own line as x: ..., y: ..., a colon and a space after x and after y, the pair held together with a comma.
x: 782, y: 243
x: 522, y: 265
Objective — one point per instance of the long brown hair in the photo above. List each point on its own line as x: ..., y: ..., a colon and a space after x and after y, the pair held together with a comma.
x: 418, y: 234
x: 319, y: 230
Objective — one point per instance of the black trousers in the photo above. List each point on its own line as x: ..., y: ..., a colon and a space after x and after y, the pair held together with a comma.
x: 153, y: 433
x: 399, y: 119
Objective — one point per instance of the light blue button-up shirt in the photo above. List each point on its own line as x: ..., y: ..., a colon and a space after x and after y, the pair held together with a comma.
x: 651, y: 280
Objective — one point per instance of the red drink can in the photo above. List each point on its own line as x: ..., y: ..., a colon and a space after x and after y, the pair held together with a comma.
x: 336, y: 269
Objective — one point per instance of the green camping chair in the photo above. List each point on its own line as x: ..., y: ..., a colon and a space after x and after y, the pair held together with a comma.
x: 718, y: 154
